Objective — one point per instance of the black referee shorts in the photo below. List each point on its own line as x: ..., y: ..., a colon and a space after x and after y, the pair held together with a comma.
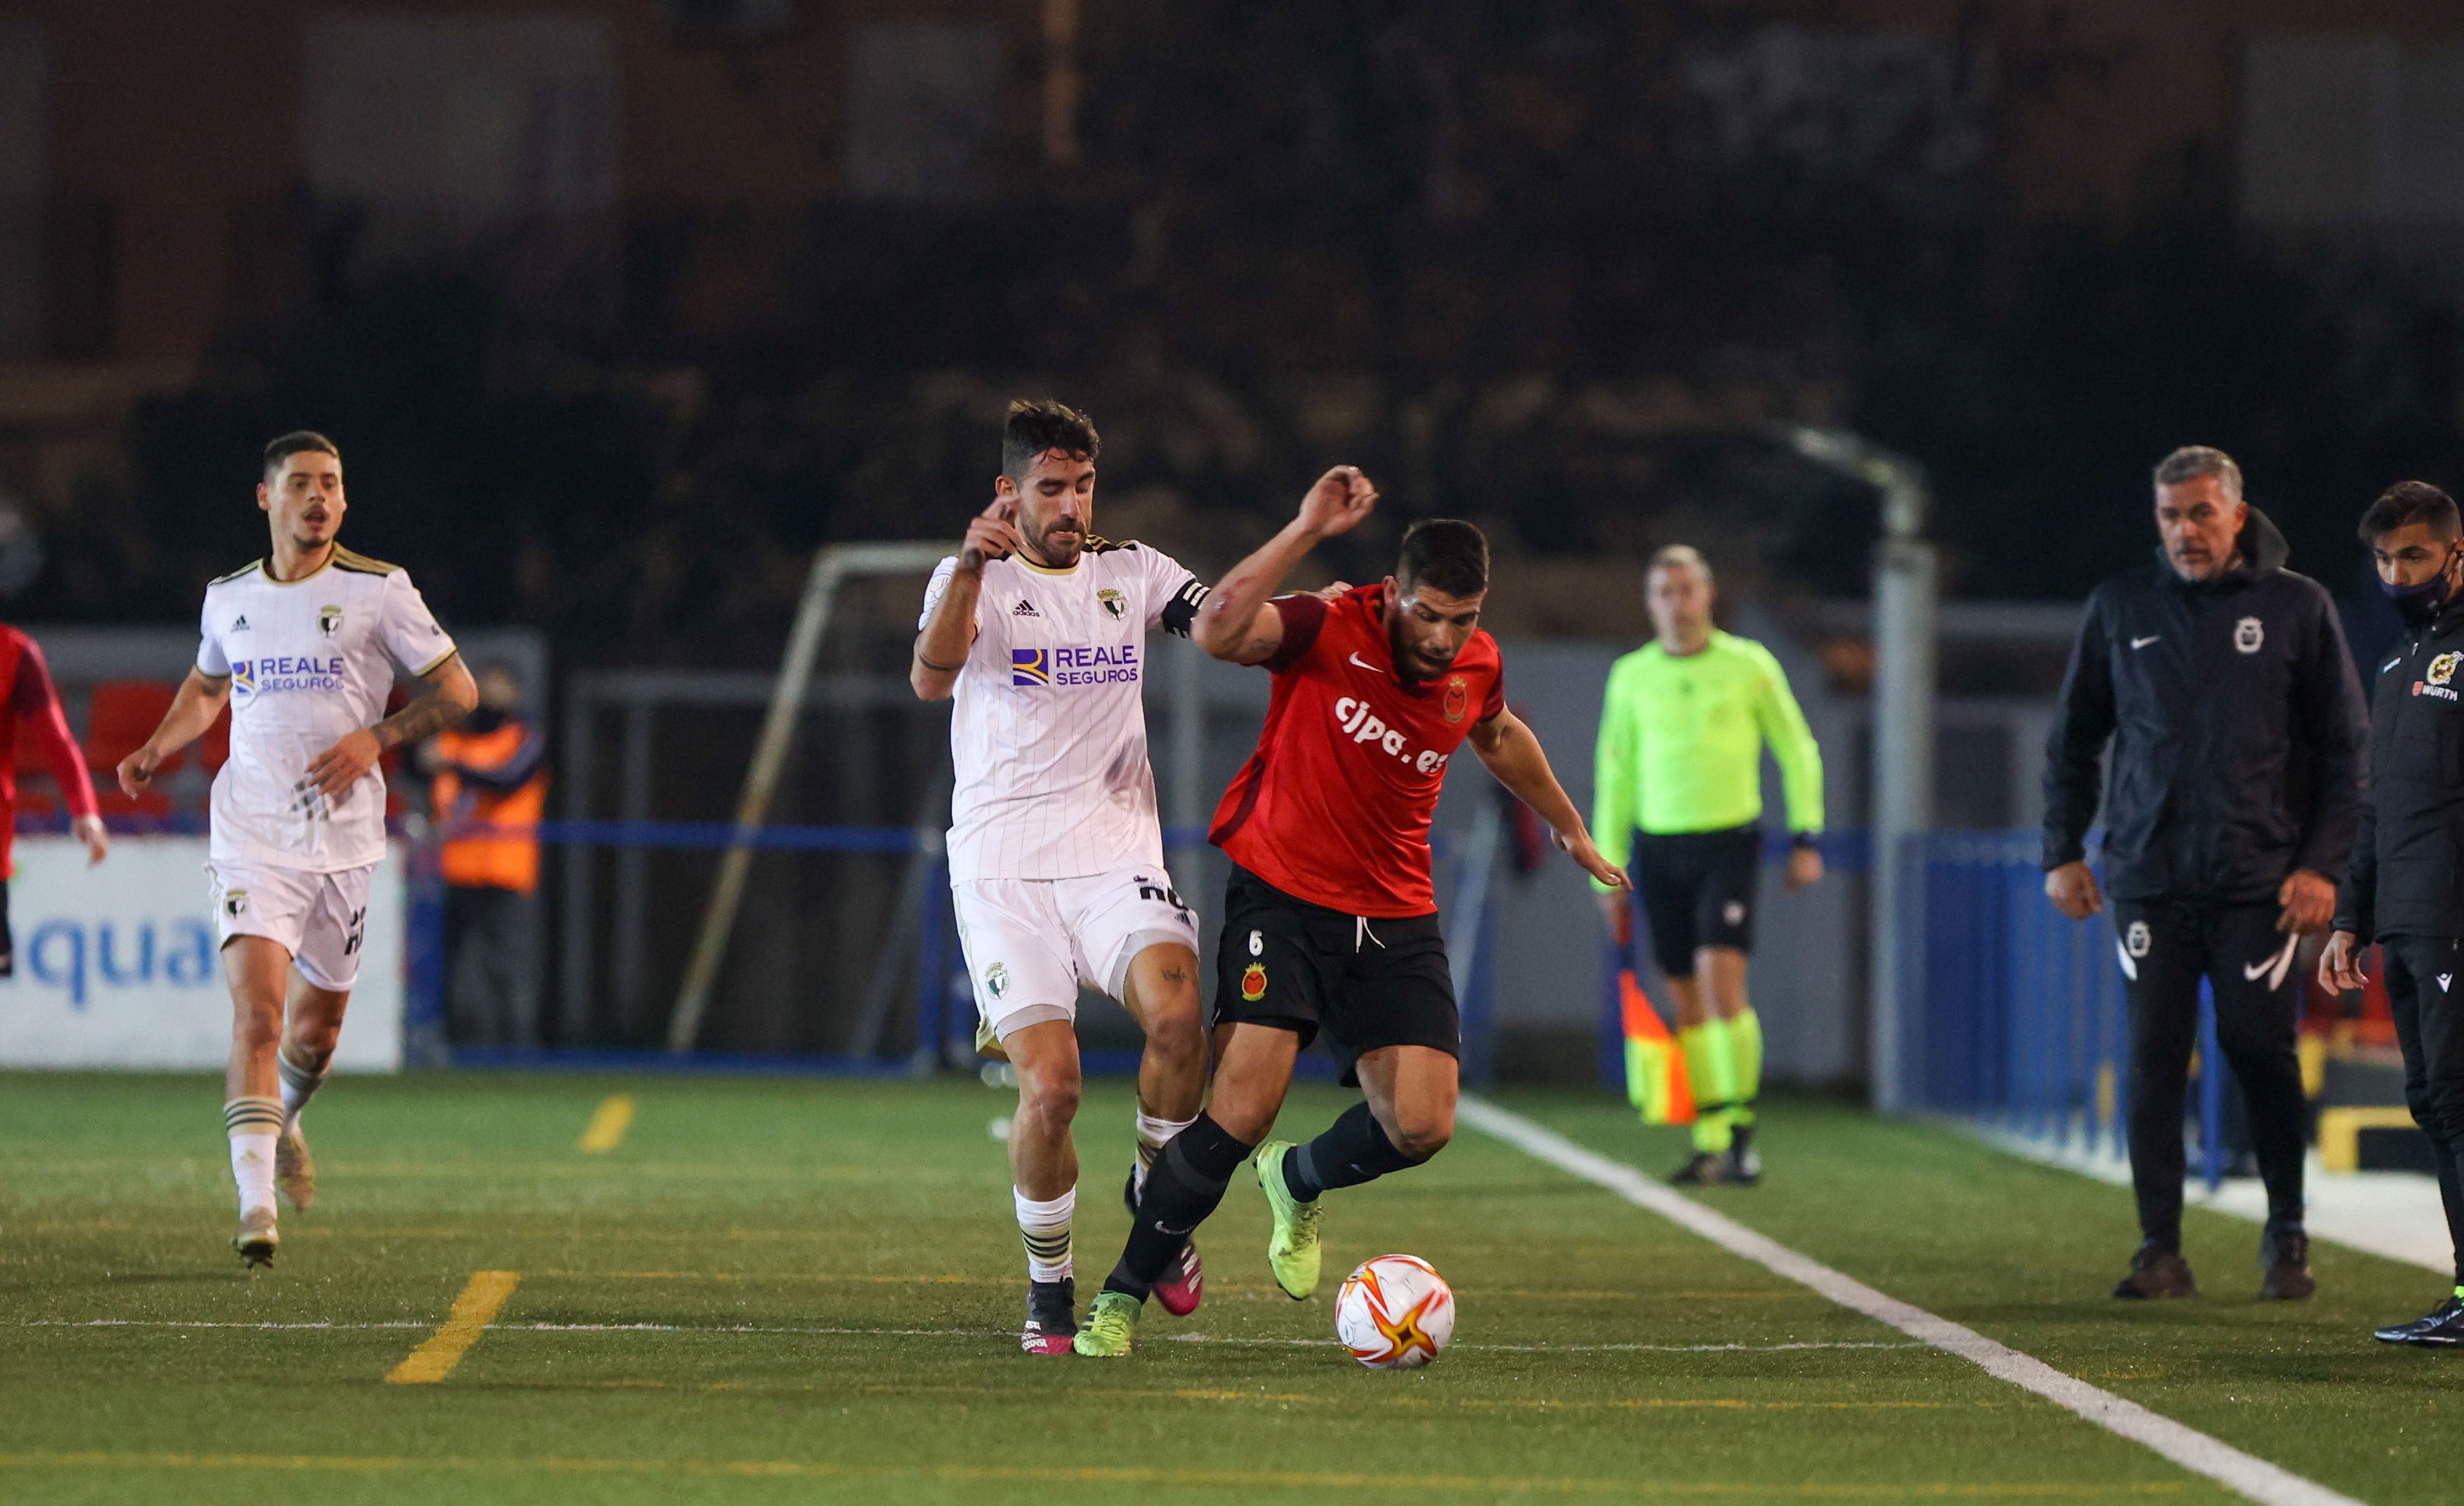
x: 1698, y: 889
x: 1368, y: 983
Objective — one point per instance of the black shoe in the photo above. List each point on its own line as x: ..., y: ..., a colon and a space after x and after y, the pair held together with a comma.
x: 1744, y: 1164
x: 1707, y: 1168
x: 1051, y: 1317
x: 2156, y: 1272
x: 2284, y: 1265
x: 2442, y: 1329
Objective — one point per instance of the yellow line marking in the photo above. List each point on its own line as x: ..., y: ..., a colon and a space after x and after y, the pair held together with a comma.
x: 472, y: 1311
x: 607, y: 1124
x: 1288, y: 1479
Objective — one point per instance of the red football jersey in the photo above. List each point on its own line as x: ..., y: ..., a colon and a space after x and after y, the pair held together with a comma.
x: 1334, y: 806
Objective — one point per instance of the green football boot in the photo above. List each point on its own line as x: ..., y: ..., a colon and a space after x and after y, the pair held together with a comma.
x: 1110, y: 1326
x: 1291, y: 1250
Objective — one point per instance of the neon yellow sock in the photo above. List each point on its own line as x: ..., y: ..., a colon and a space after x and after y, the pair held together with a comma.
x: 1746, y: 1051
x: 1711, y: 1070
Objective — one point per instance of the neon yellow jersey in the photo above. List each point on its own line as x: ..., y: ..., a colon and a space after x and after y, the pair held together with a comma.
x: 1682, y: 740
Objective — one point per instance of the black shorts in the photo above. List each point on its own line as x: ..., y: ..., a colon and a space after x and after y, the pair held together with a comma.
x: 1368, y: 983
x: 1698, y: 891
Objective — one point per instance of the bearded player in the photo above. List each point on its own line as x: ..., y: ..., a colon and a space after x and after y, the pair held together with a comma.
x: 1330, y: 917
x: 303, y: 645
x: 1037, y: 628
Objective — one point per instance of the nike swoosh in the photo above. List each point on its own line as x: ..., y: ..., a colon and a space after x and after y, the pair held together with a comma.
x: 2249, y: 974
x: 2142, y: 643
x: 1366, y: 665
x: 2390, y: 664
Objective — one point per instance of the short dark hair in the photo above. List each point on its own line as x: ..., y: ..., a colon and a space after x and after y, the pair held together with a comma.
x: 1447, y: 552
x: 2410, y: 502
x: 1033, y: 429
x: 2190, y: 462
x: 299, y: 441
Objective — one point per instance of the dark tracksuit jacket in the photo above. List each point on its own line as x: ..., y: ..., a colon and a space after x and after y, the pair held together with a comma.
x: 2238, y: 734
x: 2405, y: 887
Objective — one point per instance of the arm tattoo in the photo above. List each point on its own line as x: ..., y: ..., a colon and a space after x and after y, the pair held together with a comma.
x: 432, y: 713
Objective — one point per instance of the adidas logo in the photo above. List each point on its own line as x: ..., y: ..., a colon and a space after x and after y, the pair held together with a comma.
x: 1025, y: 608
x: 240, y: 627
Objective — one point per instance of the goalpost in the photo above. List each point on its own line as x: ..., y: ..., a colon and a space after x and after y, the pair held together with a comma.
x: 832, y: 566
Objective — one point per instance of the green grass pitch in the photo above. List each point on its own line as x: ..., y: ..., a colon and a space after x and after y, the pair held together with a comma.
x: 800, y: 1290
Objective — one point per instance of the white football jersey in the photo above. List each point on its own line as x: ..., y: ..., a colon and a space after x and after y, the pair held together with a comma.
x: 1049, y: 734
x: 309, y: 660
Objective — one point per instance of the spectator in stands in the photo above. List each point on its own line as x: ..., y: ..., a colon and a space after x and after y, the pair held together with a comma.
x: 489, y: 790
x: 33, y: 701
x: 2222, y: 682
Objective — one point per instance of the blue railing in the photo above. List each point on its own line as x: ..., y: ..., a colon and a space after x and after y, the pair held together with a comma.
x: 2013, y: 1015
x: 944, y: 1003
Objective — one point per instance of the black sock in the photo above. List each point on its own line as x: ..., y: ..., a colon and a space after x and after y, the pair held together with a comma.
x: 1354, y: 1149
x: 1184, y: 1185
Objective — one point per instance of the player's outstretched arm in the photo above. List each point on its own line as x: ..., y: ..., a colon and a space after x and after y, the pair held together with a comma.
x: 451, y: 697
x: 199, y: 700
x: 1238, y: 622
x: 949, y: 631
x: 1512, y: 751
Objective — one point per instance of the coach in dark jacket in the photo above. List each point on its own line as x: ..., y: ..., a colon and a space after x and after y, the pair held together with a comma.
x: 2222, y: 682
x: 2406, y: 887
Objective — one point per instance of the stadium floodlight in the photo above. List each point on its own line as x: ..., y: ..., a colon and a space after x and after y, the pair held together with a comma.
x: 832, y: 566
x: 1906, y: 583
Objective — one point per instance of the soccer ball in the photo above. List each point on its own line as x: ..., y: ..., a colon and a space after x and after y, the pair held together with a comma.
x: 1395, y: 1311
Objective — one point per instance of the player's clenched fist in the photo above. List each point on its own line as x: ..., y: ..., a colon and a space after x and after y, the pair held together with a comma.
x: 991, y: 534
x: 136, y: 771
x: 1341, y: 499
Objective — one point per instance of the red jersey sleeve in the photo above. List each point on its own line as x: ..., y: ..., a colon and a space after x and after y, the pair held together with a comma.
x: 1303, y: 618
x: 38, y: 701
x: 1496, y: 702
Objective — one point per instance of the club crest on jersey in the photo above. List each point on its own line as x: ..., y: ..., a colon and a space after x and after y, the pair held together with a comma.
x: 1253, y: 982
x: 235, y: 903
x: 997, y: 980
x: 1113, y: 607
x: 329, y: 620
x: 1458, y: 702
x: 2248, y: 634
x: 2138, y: 939
x: 2443, y: 669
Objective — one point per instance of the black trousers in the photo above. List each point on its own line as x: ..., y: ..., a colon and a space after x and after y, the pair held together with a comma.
x: 491, y: 966
x: 2167, y: 946
x: 2423, y: 984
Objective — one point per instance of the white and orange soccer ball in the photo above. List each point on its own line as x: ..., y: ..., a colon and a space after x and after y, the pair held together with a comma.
x: 1395, y: 1311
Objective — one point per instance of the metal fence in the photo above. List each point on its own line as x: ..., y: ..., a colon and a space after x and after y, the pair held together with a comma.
x: 2013, y: 1017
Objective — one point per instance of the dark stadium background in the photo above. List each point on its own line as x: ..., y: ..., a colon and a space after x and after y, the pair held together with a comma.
x: 682, y: 288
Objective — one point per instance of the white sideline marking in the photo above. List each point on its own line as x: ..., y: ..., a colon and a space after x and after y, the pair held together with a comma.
x: 2243, y: 1474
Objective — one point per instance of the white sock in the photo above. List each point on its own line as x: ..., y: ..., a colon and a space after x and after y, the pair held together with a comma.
x: 1046, y: 1228
x: 254, y: 1124
x: 298, y: 1086
x: 1154, y: 1134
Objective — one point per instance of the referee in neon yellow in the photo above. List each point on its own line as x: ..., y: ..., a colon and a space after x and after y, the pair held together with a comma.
x: 1678, y: 801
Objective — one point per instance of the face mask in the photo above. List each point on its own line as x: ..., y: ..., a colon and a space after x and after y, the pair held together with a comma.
x: 2418, y: 604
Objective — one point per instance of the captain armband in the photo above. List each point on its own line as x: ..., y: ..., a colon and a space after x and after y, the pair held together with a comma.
x: 1182, y: 610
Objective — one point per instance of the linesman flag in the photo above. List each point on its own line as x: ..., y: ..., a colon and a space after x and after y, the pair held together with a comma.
x: 1654, y: 1068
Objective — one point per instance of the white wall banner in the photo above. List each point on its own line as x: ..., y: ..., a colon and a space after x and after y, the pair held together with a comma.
x: 117, y: 965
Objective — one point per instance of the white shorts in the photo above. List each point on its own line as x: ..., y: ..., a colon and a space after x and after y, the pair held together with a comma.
x: 1032, y: 942
x: 319, y: 918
